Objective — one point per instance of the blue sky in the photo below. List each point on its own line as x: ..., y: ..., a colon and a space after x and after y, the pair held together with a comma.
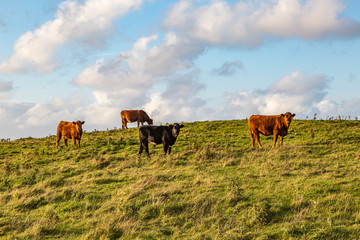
x: 180, y: 61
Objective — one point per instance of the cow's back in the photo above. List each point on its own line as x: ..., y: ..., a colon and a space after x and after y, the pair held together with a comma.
x: 68, y: 129
x: 135, y: 115
x: 61, y: 126
x: 130, y: 115
x: 153, y: 134
x: 263, y: 124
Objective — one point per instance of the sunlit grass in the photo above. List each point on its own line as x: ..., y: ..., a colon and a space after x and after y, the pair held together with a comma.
x: 213, y: 185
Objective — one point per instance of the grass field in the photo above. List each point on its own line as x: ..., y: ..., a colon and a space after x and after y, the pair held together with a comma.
x: 212, y: 186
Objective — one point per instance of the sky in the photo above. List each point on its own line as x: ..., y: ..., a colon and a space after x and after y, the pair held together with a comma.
x: 180, y: 61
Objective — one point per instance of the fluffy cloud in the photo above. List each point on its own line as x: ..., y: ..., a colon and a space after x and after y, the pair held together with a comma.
x: 87, y: 24
x: 346, y: 108
x: 126, y: 72
x: 297, y: 92
x: 175, y: 53
x: 50, y: 113
x: 9, y: 112
x: 41, y: 119
x: 250, y: 23
x: 126, y: 80
x: 178, y: 102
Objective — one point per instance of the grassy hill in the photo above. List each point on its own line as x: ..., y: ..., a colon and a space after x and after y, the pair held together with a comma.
x: 213, y: 186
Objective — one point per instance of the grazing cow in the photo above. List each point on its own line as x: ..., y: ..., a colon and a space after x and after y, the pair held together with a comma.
x: 268, y: 125
x: 70, y: 130
x: 165, y: 135
x: 138, y: 116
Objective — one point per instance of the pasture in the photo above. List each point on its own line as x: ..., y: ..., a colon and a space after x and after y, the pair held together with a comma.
x: 212, y: 186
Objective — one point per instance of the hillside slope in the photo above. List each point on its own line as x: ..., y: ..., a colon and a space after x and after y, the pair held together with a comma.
x: 213, y: 186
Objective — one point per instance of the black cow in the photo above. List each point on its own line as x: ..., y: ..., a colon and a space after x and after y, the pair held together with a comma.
x: 165, y: 135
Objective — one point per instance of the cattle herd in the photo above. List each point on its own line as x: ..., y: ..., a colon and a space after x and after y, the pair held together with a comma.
x: 276, y: 125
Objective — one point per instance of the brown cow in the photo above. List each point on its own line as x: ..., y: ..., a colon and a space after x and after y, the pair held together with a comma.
x: 138, y: 116
x: 268, y: 125
x: 70, y: 130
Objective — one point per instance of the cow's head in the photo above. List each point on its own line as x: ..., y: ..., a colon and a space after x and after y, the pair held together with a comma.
x: 150, y: 122
x: 176, y: 129
x: 288, y: 118
x: 78, y: 125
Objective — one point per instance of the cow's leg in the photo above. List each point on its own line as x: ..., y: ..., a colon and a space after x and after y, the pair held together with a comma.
x: 138, y: 123
x: 257, y: 138
x: 275, y: 139
x: 146, y: 146
x: 169, y: 150
x: 281, y: 140
x: 141, y: 149
x: 74, y: 140
x: 166, y: 147
x: 124, y: 123
x: 65, y: 141
x: 252, y: 139
x: 79, y: 142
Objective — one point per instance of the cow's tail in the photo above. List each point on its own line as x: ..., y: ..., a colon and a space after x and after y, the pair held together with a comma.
x: 123, y: 119
x: 252, y: 135
x: 58, y: 136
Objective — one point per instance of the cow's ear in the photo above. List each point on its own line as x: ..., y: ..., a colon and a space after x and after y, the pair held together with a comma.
x: 181, y: 126
x: 74, y: 123
x: 82, y: 122
x: 282, y: 115
x: 171, y: 126
x: 293, y: 115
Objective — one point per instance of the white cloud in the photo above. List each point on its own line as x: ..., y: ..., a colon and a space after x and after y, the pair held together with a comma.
x: 328, y: 107
x: 175, y: 53
x: 164, y: 110
x: 297, y: 92
x: 128, y: 80
x: 42, y: 119
x: 121, y: 82
x: 129, y: 77
x: 43, y: 114
x: 10, y: 128
x: 250, y: 23
x: 178, y: 102
x: 123, y: 73
x: 298, y: 83
x: 87, y: 24
x: 345, y: 108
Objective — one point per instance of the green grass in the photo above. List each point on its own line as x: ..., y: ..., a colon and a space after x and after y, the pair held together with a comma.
x: 212, y: 186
